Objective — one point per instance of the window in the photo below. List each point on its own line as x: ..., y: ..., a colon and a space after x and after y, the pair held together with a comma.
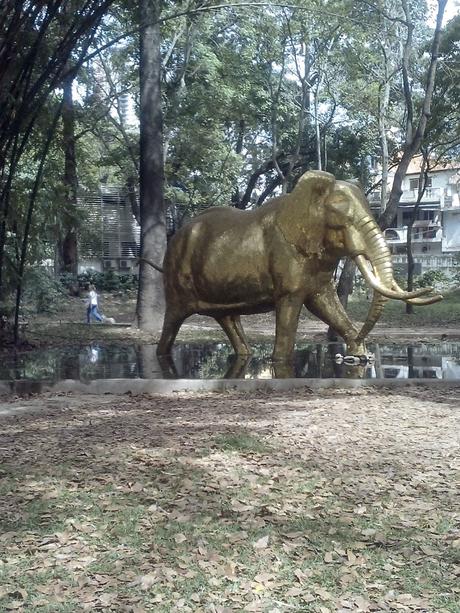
x: 427, y: 215
x: 413, y: 183
x: 406, y: 217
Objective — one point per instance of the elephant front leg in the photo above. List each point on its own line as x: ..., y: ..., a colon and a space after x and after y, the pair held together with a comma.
x: 287, y: 320
x: 329, y: 309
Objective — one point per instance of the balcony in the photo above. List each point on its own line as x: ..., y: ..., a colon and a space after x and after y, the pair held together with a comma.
x: 428, y: 262
x: 431, y: 194
x: 422, y: 232
x: 395, y: 236
x: 444, y: 197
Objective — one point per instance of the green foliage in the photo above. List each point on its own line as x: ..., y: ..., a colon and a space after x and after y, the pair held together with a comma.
x: 432, y: 278
x: 233, y: 100
x: 6, y: 310
x: 43, y: 293
x: 108, y: 281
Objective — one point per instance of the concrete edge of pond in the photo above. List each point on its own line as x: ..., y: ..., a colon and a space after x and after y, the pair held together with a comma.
x: 169, y: 386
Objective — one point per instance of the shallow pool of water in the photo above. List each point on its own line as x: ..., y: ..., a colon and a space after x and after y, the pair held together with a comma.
x: 216, y: 360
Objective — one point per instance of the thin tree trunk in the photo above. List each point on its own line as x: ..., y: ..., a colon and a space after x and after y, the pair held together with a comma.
x: 150, y: 299
x: 132, y: 197
x: 67, y: 242
x: 383, y: 107
x: 410, y: 262
x: 238, y: 149
x: 422, y: 182
x: 317, y: 127
x: 4, y: 209
x: 32, y: 200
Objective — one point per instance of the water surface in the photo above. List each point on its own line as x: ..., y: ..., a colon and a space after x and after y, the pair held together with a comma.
x: 216, y: 360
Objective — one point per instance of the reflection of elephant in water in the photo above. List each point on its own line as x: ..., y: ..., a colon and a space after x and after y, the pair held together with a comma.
x: 226, y: 263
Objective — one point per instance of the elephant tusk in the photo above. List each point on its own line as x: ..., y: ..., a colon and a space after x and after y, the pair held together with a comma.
x: 421, y: 301
x: 376, y: 284
x: 424, y: 301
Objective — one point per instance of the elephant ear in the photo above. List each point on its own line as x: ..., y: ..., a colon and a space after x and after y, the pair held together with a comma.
x: 302, y: 216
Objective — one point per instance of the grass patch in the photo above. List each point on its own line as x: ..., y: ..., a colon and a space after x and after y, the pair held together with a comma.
x: 243, y: 442
x: 446, y: 312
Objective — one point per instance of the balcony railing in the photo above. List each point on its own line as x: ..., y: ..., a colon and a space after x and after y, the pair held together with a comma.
x: 445, y: 198
x: 421, y: 234
x: 431, y: 194
x: 429, y: 262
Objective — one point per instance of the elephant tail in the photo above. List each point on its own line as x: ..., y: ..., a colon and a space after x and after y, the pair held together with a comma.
x: 152, y: 264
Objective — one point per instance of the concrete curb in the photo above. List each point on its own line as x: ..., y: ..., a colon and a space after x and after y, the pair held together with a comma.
x: 169, y: 386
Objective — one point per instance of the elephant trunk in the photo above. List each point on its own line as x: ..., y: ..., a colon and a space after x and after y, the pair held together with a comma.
x: 380, y: 278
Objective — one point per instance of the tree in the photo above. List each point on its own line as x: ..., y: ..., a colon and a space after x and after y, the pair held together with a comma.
x: 150, y: 302
x: 414, y: 129
x: 34, y: 56
x: 67, y: 254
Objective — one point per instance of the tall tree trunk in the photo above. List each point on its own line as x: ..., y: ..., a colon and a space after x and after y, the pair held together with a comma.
x: 30, y: 210
x: 384, y: 98
x: 410, y: 262
x: 238, y: 149
x: 150, y: 299
x: 319, y: 165
x: 67, y: 257
x: 422, y: 183
x: 4, y: 209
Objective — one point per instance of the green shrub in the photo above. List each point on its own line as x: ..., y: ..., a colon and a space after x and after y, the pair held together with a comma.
x: 109, y: 281
x: 43, y: 293
x: 432, y: 278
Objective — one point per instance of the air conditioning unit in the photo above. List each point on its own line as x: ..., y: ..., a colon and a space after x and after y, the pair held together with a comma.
x: 125, y: 264
x: 109, y: 264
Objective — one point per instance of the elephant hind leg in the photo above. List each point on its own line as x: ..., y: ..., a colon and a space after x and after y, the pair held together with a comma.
x: 171, y: 326
x: 231, y: 325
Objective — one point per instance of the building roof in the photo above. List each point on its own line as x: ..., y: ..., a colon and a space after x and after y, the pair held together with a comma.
x: 416, y: 162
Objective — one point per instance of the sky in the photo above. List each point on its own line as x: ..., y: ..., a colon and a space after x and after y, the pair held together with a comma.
x: 452, y: 9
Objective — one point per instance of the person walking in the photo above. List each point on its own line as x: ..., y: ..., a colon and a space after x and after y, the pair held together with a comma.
x: 91, y: 310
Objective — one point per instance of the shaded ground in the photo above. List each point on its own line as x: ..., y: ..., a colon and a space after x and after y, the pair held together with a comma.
x: 335, y: 501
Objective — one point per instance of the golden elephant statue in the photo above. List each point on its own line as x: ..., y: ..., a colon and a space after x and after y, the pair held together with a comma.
x: 226, y: 263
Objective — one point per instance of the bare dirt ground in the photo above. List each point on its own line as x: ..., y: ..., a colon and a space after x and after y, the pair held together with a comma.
x: 266, y: 502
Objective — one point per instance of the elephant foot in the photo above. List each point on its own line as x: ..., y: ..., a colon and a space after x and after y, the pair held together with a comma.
x: 237, y: 368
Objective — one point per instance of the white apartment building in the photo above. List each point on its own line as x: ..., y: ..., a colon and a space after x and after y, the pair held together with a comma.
x: 436, y: 230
